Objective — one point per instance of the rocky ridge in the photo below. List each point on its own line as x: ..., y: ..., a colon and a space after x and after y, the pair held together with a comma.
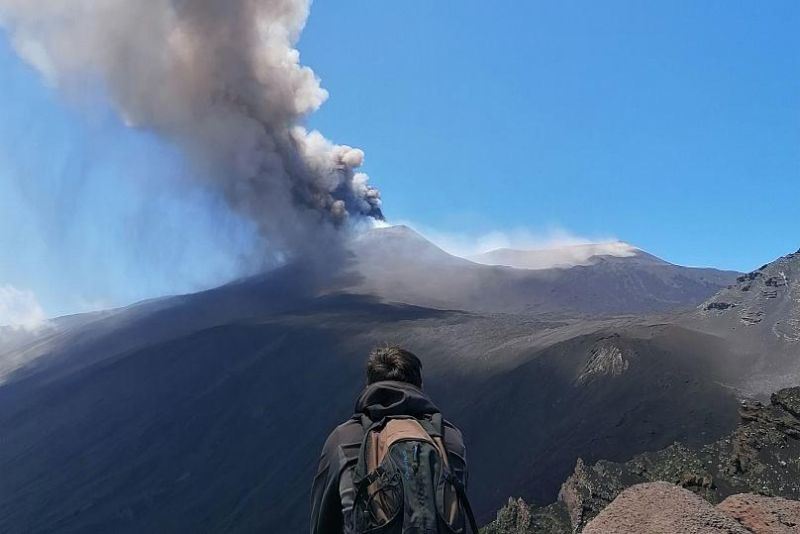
x: 761, y: 457
x: 766, y: 298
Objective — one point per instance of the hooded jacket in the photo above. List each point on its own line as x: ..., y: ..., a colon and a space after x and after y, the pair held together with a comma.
x: 333, y: 491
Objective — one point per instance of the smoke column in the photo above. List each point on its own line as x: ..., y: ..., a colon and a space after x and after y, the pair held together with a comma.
x: 222, y: 80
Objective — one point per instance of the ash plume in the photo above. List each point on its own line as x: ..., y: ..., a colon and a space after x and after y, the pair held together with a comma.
x: 222, y: 80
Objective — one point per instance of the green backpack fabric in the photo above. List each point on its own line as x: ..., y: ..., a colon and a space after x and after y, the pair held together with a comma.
x: 403, y: 481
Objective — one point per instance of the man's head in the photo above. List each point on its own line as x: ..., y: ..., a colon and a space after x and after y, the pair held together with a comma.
x: 394, y: 363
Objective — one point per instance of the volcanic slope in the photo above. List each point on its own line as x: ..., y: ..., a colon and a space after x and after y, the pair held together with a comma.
x: 219, y: 428
x: 206, y: 412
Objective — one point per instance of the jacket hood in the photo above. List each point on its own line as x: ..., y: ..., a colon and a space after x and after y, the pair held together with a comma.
x: 387, y: 398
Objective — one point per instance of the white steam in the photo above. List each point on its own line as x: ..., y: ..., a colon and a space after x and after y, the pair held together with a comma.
x: 555, y: 256
x: 523, y: 249
x: 219, y: 78
x: 20, y: 308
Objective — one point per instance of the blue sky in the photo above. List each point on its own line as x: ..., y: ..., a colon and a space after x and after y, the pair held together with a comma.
x: 673, y: 125
x: 96, y: 214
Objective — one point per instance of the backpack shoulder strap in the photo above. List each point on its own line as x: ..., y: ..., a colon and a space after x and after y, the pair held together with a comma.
x: 362, y: 467
x: 364, y: 474
x: 462, y: 497
x: 435, y: 427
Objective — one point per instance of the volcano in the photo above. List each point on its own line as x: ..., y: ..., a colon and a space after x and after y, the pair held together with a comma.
x: 206, y: 412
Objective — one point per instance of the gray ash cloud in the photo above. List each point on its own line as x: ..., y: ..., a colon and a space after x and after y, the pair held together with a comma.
x: 222, y: 80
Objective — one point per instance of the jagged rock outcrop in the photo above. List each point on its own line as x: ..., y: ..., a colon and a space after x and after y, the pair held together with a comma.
x: 519, y: 518
x: 761, y: 456
x: 607, y: 358
x: 513, y: 518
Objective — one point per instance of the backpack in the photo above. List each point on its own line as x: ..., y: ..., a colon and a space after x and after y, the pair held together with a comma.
x: 403, y: 481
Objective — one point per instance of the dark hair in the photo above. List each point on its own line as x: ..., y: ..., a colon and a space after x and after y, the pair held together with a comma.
x: 394, y: 363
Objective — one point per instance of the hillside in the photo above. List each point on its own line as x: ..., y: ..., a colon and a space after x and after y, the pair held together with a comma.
x: 122, y: 426
x: 173, y: 413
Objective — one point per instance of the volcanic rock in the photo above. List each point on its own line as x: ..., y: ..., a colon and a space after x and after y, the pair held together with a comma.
x: 662, y: 508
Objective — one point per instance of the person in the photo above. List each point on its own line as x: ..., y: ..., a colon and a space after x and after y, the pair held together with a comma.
x: 393, y: 392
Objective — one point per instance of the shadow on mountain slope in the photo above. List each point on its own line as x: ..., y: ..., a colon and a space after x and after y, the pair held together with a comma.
x: 219, y: 429
x: 603, y: 395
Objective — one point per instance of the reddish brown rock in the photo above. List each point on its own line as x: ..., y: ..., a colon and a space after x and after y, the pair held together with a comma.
x: 763, y: 515
x: 662, y: 508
